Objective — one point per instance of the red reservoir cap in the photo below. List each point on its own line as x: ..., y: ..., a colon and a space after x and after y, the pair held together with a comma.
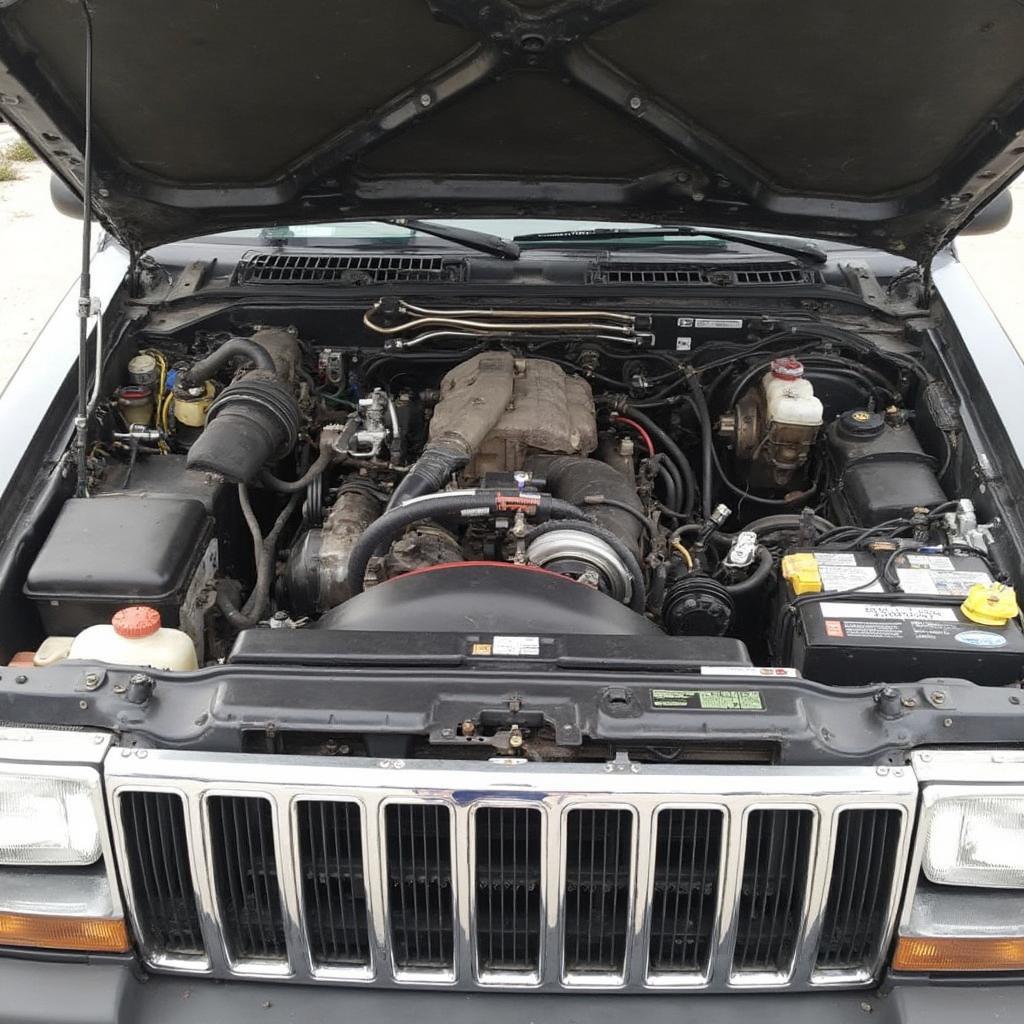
x: 136, y: 621
x: 787, y: 368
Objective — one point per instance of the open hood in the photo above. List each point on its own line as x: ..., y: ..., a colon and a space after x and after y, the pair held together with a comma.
x: 884, y: 124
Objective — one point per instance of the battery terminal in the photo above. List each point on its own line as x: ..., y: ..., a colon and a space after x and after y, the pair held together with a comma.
x: 802, y: 572
x: 991, y: 604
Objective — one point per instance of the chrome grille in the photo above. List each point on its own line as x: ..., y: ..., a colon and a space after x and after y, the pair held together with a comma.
x: 511, y: 876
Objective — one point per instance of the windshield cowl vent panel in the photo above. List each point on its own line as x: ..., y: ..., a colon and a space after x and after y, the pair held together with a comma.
x: 746, y: 275
x: 289, y: 268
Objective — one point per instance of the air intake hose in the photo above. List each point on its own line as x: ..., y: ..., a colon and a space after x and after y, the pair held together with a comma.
x: 233, y: 348
x: 575, y: 479
x: 255, y: 420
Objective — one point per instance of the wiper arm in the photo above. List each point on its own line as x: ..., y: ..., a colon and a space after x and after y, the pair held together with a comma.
x: 805, y: 251
x: 493, y: 245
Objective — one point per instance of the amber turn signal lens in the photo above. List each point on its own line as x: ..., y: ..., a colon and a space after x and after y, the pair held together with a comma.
x: 913, y: 954
x: 87, y: 934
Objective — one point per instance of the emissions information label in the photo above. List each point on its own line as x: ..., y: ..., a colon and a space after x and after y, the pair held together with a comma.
x: 707, y: 700
x: 515, y: 646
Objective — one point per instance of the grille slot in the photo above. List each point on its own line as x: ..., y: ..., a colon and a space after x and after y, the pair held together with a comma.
x: 159, y: 874
x: 863, y: 871
x: 508, y: 880
x: 687, y: 862
x: 333, y: 883
x: 775, y: 876
x: 419, y: 878
x: 334, y: 268
x: 655, y: 273
x: 245, y: 877
x: 598, y: 883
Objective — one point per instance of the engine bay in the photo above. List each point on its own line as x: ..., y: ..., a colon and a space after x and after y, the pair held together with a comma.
x: 787, y: 493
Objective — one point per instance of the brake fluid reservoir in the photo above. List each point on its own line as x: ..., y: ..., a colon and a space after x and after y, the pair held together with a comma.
x: 135, y: 636
x: 792, y: 417
x: 789, y: 397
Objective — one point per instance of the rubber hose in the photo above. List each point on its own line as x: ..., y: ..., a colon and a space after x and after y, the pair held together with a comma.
x: 436, y: 506
x: 431, y: 472
x: 323, y: 460
x: 700, y: 406
x: 674, y: 452
x: 671, y: 493
x: 265, y: 553
x: 576, y: 479
x: 757, y: 578
x: 233, y: 348
x: 638, y: 598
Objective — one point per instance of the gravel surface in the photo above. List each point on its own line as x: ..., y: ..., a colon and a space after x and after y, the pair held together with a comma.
x: 39, y: 257
x: 39, y: 254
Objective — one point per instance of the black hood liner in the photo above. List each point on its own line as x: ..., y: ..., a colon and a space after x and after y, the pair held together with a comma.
x: 885, y: 124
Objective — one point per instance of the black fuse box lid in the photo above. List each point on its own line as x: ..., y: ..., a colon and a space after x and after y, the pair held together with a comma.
x: 121, y: 548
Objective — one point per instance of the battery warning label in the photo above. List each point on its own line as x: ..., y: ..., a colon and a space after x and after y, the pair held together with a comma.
x: 708, y: 700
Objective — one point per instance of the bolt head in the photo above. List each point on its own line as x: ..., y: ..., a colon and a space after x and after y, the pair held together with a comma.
x: 425, y: 99
x: 635, y: 103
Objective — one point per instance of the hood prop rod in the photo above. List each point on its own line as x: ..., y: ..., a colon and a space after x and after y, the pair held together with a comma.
x: 86, y: 306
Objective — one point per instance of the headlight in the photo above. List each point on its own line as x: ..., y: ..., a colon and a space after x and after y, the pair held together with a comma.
x: 964, y: 910
x: 976, y: 841
x: 49, y: 820
x: 57, y: 884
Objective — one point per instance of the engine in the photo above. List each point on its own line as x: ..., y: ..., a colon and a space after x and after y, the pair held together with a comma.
x: 509, y: 474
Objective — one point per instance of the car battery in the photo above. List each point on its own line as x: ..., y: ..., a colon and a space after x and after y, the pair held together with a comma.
x: 876, y: 633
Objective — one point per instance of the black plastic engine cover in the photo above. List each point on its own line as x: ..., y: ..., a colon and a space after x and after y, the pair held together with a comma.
x: 490, y: 597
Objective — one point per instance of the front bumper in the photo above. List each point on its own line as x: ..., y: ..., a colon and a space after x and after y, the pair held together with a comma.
x: 104, y: 993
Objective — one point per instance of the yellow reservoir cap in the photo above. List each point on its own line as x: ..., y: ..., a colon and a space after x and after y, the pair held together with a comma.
x: 990, y: 604
x: 801, y: 570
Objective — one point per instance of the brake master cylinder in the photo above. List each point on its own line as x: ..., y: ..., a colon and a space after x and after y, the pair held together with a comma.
x: 775, y: 424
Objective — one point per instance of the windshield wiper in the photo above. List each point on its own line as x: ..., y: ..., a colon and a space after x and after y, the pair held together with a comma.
x: 805, y: 251
x: 493, y: 245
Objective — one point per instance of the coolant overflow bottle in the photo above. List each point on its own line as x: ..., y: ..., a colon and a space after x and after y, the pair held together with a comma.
x: 135, y: 636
